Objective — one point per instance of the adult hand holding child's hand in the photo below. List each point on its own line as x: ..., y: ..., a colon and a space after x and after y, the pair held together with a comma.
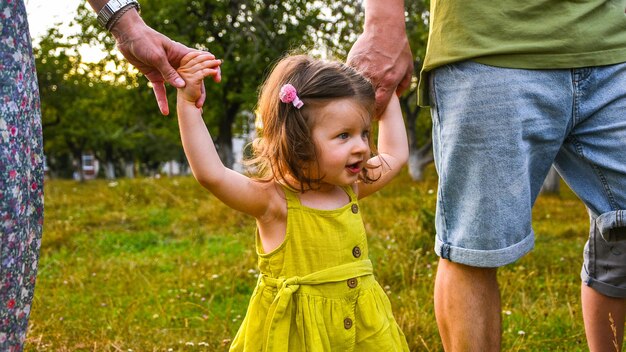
x: 194, y: 67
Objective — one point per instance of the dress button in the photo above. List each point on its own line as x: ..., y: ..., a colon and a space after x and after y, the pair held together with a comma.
x: 356, y: 251
x: 352, y: 283
x: 355, y: 208
x: 347, y: 323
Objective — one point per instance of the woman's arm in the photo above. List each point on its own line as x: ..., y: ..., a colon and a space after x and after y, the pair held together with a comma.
x: 393, y: 149
x: 234, y: 189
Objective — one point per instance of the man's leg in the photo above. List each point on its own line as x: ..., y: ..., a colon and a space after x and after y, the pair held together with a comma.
x: 467, y: 307
x: 496, y: 132
x: 604, y: 320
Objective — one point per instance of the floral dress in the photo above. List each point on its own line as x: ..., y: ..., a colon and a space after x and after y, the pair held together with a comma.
x: 21, y: 175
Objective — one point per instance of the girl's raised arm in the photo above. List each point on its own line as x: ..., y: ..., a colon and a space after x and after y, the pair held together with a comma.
x: 393, y: 149
x: 234, y: 189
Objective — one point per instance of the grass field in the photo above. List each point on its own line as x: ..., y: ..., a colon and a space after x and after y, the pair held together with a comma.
x: 161, y: 265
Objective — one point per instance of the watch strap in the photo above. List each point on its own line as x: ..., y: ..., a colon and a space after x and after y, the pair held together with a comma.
x: 111, y: 8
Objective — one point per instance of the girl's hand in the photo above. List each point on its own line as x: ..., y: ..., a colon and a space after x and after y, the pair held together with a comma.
x: 194, y: 67
x: 152, y: 53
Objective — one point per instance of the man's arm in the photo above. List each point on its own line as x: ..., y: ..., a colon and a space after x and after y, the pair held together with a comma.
x: 382, y: 52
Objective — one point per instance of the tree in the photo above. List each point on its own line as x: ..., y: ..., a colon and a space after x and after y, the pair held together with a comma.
x: 90, y: 107
x: 249, y: 35
x: 418, y: 121
x: 59, y: 88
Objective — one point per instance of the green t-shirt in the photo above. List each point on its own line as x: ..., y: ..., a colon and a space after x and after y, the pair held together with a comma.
x: 533, y: 34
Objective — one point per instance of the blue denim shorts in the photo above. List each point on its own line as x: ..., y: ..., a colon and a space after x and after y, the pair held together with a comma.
x: 497, y: 131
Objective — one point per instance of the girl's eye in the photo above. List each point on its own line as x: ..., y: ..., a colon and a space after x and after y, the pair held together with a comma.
x: 365, y: 134
x: 343, y: 135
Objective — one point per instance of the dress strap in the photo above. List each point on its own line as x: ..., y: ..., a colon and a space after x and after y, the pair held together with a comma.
x: 290, y: 195
x: 350, y: 191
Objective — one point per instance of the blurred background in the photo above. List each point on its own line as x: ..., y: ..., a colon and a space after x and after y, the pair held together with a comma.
x: 100, y: 119
x: 136, y: 256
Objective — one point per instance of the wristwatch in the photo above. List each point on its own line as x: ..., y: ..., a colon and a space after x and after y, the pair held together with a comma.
x: 109, y: 10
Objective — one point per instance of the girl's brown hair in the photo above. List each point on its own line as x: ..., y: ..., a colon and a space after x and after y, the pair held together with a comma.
x: 284, y: 148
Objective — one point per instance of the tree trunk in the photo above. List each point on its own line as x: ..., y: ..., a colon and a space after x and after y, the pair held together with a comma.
x: 552, y: 182
x: 419, y: 158
x: 77, y: 156
x: 109, y: 164
x: 109, y: 170
x: 224, y: 142
x: 225, y: 151
x: 129, y: 169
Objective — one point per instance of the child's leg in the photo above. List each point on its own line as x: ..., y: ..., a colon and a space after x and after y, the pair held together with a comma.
x: 604, y: 320
x: 593, y: 163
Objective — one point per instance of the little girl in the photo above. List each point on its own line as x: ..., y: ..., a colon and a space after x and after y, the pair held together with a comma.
x: 316, y: 290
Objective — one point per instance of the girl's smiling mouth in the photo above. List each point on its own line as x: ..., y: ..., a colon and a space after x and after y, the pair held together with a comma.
x: 354, y: 168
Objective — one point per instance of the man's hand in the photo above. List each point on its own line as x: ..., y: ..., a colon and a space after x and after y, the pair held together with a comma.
x: 388, y: 63
x: 155, y: 55
x: 194, y: 67
x: 382, y: 52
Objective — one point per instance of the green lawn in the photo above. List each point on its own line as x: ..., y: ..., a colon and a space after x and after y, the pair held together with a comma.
x: 161, y: 265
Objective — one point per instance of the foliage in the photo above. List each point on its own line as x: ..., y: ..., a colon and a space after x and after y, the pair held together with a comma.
x: 54, y: 65
x: 86, y: 109
x: 153, y: 264
x: 248, y: 35
x: 105, y: 107
x: 418, y: 120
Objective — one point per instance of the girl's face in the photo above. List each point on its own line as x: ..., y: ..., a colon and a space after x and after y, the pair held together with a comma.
x: 340, y: 134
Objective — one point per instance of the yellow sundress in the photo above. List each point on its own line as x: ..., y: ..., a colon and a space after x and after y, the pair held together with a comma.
x: 316, y: 291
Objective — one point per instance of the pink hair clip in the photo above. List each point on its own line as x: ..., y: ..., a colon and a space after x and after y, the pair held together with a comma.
x: 288, y: 94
